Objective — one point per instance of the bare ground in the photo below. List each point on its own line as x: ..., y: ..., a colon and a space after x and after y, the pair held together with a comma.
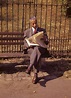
x: 54, y: 79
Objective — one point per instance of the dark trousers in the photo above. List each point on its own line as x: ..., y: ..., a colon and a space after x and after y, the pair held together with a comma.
x: 35, y: 55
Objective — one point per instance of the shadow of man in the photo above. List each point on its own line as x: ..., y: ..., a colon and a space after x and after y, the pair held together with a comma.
x: 55, y: 69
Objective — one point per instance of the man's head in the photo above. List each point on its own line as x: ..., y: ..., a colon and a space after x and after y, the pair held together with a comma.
x: 33, y: 22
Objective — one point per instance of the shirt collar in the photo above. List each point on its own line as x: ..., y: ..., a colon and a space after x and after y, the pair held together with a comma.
x: 34, y: 29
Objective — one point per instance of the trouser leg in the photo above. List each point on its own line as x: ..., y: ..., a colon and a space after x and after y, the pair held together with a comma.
x: 35, y: 56
x: 39, y: 53
x: 34, y: 59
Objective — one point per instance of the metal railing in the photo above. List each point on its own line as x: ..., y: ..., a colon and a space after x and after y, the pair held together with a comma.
x: 51, y: 14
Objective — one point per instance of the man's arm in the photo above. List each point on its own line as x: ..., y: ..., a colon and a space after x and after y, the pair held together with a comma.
x: 45, y: 37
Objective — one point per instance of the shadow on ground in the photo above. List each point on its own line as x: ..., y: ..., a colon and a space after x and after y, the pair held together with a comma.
x: 13, y: 67
x: 54, y: 68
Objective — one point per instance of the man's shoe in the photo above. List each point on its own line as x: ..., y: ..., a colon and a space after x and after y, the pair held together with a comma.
x: 35, y: 79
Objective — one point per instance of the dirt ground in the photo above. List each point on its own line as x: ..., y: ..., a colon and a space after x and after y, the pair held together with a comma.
x: 54, y: 79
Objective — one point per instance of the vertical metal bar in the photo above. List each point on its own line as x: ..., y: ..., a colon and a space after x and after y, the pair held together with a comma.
x: 23, y: 18
x: 51, y: 23
x: 46, y: 14
x: 41, y: 13
x: 29, y: 11
x: 21, y: 47
x: 35, y: 8
x: 64, y: 41
x: 51, y: 17
x: 50, y: 31
x: 12, y: 16
x: 0, y: 22
x: 18, y: 18
x: 60, y: 26
x: 12, y: 19
x: 65, y: 25
x: 1, y: 15
x: 16, y: 46
x: 55, y: 26
x: 69, y: 38
x: 64, y: 32
x: 69, y: 33
x: 55, y: 18
x: 7, y: 15
x: 7, y: 20
x: 1, y: 26
x: 25, y: 8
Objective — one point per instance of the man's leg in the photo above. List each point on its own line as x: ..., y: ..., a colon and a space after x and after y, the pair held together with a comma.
x: 34, y: 60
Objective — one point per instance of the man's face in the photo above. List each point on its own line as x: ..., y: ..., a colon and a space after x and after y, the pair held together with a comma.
x: 33, y: 23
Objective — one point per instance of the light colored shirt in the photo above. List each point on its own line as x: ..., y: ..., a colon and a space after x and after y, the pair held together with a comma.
x: 34, y: 29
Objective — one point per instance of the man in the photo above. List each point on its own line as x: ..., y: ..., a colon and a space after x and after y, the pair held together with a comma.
x: 37, y: 51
